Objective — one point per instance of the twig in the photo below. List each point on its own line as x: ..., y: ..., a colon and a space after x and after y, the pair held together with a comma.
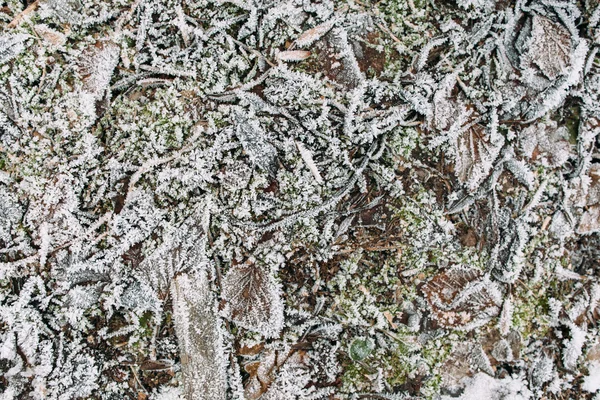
x: 138, y: 379
x: 19, y: 18
x: 389, y: 32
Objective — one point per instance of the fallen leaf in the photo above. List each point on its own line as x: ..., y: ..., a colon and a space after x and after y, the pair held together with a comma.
x: 293, y: 55
x: 390, y: 319
x: 462, y: 298
x: 549, y: 46
x: 312, y: 35
x: 156, y: 365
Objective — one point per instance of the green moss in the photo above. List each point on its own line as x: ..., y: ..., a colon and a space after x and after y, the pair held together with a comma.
x: 530, y: 307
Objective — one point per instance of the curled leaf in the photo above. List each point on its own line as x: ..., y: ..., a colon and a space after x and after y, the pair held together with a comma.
x: 156, y: 365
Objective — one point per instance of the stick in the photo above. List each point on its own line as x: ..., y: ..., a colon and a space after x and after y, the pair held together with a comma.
x: 19, y: 18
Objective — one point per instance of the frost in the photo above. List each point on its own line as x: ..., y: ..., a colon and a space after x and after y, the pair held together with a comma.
x: 299, y: 199
x: 253, y: 299
x: 482, y: 386
x: 573, y: 346
x: 591, y: 383
x: 549, y: 47
x: 293, y: 55
x: 11, y: 46
x: 462, y: 298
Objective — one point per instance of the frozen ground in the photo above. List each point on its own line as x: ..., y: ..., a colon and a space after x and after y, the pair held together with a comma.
x: 300, y: 199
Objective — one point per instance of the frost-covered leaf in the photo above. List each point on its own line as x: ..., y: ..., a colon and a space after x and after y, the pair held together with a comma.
x: 293, y: 55
x: 53, y: 37
x: 502, y: 351
x: 560, y: 225
x: 506, y: 314
x: 200, y: 337
x: 255, y: 143
x: 97, y: 65
x: 308, y: 159
x: 64, y: 10
x: 475, y: 155
x: 338, y: 54
x: 546, y: 143
x: 507, y: 258
x: 573, y: 346
x: 480, y: 360
x: 483, y: 386
x: 590, y: 219
x: 360, y: 348
x: 549, y: 47
x: 462, y: 298
x: 310, y: 36
x: 447, y: 109
x: 253, y: 299
x: 11, y: 46
x: 543, y: 370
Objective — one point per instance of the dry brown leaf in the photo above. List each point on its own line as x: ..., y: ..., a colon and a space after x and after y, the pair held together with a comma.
x: 261, y: 375
x: 312, y: 35
x: 252, y: 299
x: 390, y: 319
x: 461, y: 298
x: 156, y: 365
x: 251, y: 350
x: 549, y: 47
x: 293, y: 55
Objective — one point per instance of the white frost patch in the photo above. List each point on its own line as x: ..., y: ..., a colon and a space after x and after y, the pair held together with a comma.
x: 591, y: 383
x: 573, y: 346
x: 168, y: 393
x: 482, y: 386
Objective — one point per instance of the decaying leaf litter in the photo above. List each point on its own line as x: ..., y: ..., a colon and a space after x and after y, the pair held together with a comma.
x: 299, y: 199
